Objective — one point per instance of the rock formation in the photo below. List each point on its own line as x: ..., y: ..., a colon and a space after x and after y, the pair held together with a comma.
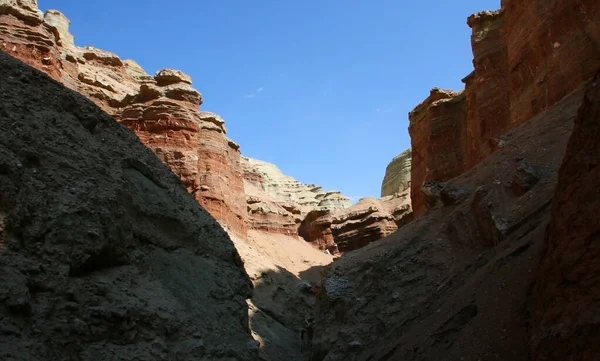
x: 426, y: 291
x: 436, y: 128
x: 162, y: 110
x: 103, y: 253
x: 369, y: 220
x: 278, y: 203
x: 566, y: 300
x: 484, y: 171
x: 515, y: 77
x: 397, y: 175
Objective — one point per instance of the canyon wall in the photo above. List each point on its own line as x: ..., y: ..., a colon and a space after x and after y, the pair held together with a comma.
x: 520, y: 69
x: 163, y: 110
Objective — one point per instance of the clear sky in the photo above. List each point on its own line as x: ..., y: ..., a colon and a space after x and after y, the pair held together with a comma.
x: 320, y: 88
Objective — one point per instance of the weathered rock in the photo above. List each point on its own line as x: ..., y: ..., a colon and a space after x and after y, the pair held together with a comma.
x: 437, y: 138
x: 369, y: 220
x: 279, y: 203
x: 283, y: 188
x: 486, y: 88
x: 553, y: 48
x: 524, y: 179
x: 162, y: 110
x: 24, y: 34
x: 426, y: 294
x: 566, y: 303
x: 104, y: 255
x: 397, y: 175
x: 527, y: 56
x: 316, y: 229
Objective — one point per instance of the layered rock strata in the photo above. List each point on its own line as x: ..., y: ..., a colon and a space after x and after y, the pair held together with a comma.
x: 521, y: 68
x: 278, y: 203
x: 103, y: 253
x: 161, y: 109
x: 370, y: 220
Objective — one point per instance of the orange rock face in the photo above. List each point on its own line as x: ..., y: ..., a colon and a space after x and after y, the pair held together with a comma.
x: 526, y: 58
x: 437, y: 129
x: 565, y: 311
x: 162, y: 110
x: 547, y: 57
x: 25, y: 35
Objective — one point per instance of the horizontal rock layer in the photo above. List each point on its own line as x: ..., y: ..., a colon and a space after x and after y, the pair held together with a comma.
x: 369, y: 220
x: 161, y: 109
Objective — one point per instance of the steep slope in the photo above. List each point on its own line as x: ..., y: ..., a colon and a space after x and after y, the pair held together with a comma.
x: 566, y: 297
x: 103, y: 253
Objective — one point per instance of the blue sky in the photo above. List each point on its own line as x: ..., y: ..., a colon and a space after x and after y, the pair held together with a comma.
x: 320, y: 88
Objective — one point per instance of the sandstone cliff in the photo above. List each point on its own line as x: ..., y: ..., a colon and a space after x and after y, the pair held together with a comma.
x: 370, y: 220
x: 278, y: 203
x: 103, y: 253
x: 520, y: 69
x: 397, y: 175
x: 161, y: 109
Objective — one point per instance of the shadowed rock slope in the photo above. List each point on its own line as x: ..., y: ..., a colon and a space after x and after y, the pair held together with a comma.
x: 455, y: 284
x: 103, y: 253
x: 567, y: 294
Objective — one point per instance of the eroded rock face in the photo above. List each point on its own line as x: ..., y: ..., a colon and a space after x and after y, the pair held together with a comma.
x: 279, y: 203
x: 397, y: 175
x: 162, y: 110
x: 455, y: 283
x: 486, y: 88
x: 527, y: 56
x: 437, y: 137
x: 271, y: 180
x: 103, y: 253
x: 553, y: 48
x: 566, y: 300
x: 24, y: 34
x: 370, y: 220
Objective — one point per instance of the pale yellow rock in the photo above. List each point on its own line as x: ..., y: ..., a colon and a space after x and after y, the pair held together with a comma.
x: 286, y: 189
x: 397, y: 175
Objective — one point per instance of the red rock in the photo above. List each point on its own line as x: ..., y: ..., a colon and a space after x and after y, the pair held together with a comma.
x: 486, y: 88
x: 552, y: 49
x: 369, y: 220
x: 437, y: 139
x: 162, y: 110
x: 316, y: 229
x: 527, y: 56
x: 25, y: 35
x: 566, y: 296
